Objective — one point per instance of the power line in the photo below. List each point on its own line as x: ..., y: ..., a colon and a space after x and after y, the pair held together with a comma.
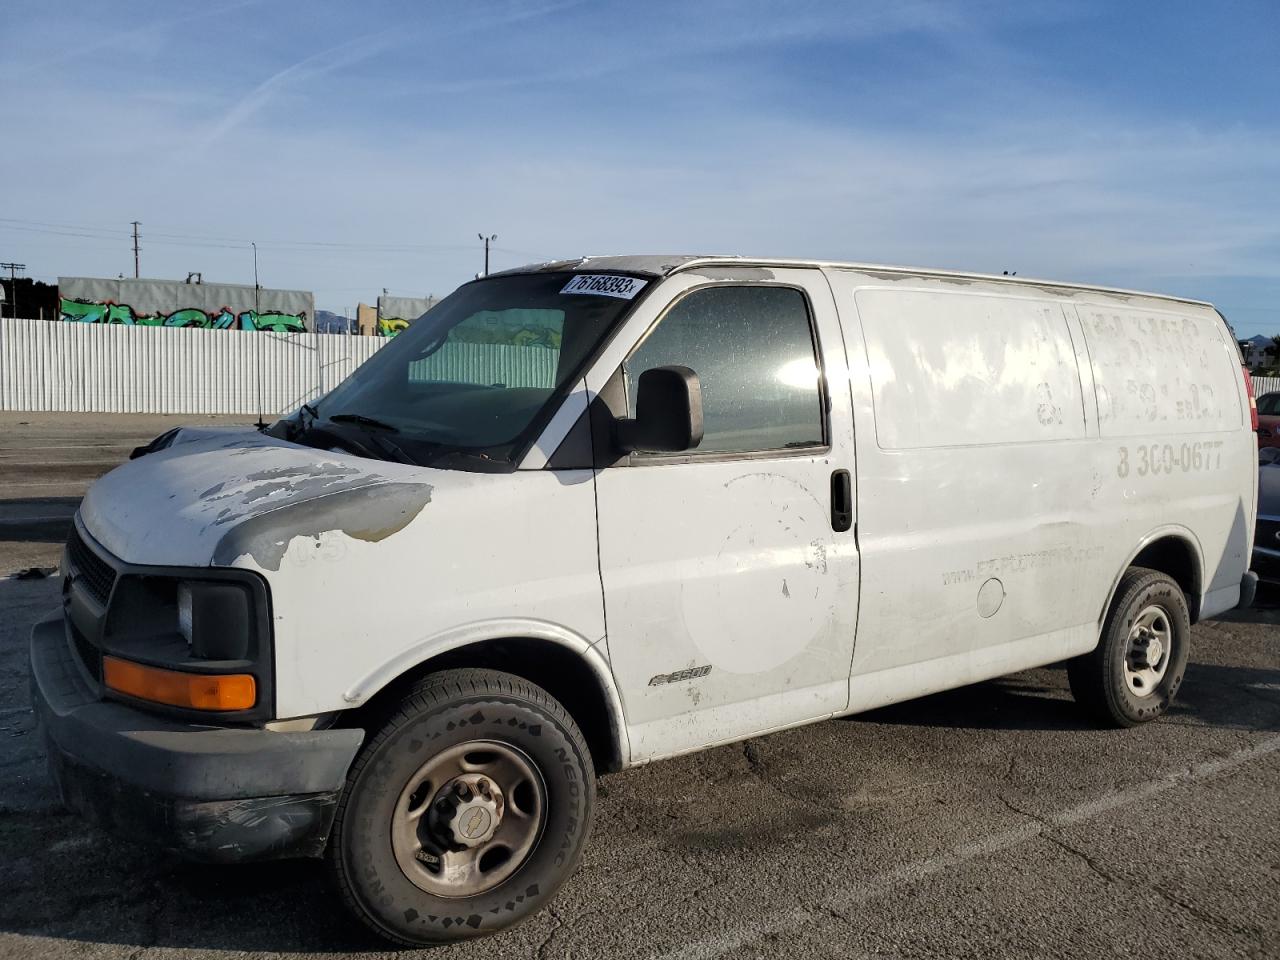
x: 234, y: 243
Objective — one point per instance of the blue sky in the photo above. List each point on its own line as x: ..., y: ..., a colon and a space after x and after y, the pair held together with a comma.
x: 364, y: 145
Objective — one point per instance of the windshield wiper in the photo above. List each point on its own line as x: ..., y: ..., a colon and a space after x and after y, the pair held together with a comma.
x: 364, y: 421
x: 438, y: 450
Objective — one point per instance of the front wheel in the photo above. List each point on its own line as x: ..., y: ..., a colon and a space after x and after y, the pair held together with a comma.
x: 1131, y: 677
x: 465, y: 812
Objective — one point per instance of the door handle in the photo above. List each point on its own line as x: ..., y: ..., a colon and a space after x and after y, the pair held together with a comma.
x: 841, y: 501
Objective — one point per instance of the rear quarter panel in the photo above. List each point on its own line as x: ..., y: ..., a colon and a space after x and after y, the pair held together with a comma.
x: 1016, y: 446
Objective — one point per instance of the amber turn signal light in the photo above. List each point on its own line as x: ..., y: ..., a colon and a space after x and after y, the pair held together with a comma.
x: 195, y: 691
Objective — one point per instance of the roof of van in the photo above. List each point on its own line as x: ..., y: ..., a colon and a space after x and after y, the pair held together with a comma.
x: 661, y: 266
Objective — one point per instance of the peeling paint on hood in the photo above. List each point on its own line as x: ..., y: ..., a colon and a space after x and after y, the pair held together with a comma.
x: 206, y: 499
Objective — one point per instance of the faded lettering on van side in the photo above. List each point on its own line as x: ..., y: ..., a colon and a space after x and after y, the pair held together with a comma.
x: 1155, y: 458
x: 1023, y: 562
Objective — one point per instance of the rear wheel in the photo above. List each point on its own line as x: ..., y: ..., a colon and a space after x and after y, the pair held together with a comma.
x: 465, y: 812
x: 1131, y: 677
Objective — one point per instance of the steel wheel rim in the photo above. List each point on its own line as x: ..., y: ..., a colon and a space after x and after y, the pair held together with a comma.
x: 451, y: 845
x: 1148, y: 650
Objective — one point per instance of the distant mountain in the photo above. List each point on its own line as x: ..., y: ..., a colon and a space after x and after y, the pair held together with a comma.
x: 329, y: 322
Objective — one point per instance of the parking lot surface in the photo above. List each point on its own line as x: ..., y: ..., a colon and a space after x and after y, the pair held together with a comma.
x: 48, y: 460
x: 991, y: 821
x: 986, y: 822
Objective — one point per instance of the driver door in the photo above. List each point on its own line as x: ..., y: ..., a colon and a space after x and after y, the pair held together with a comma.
x: 730, y: 588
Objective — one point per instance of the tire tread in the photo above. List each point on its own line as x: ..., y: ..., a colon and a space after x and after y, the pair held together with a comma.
x: 1091, y: 686
x: 426, y: 694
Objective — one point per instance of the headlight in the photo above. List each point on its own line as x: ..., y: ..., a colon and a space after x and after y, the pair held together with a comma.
x: 184, y: 612
x: 192, y: 639
x: 214, y: 619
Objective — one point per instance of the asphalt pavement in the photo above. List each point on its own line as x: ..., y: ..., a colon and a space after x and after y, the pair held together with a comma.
x: 48, y: 460
x: 987, y: 822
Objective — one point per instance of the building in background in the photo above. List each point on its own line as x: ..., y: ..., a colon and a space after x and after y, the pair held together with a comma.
x: 366, y: 320
x: 1260, y: 352
x: 396, y: 313
x: 25, y: 297
x: 172, y: 303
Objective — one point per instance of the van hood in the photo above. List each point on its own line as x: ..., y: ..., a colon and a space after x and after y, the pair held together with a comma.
x: 211, y: 498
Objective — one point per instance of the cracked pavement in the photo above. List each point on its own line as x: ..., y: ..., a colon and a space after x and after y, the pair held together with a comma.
x: 985, y: 822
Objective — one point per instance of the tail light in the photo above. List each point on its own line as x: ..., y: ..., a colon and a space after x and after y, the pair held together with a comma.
x: 1253, y: 402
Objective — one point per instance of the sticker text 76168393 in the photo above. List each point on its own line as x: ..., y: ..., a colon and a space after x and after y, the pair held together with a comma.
x: 605, y: 285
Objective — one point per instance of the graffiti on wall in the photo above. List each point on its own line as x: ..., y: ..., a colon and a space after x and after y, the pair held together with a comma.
x: 390, y: 326
x: 395, y: 314
x: 168, y: 303
x: 90, y: 311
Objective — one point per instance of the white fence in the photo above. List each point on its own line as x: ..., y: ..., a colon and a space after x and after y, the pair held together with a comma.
x: 104, y: 368
x: 107, y: 368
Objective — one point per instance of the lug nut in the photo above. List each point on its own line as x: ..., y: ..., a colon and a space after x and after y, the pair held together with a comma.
x: 462, y: 790
x: 483, y: 786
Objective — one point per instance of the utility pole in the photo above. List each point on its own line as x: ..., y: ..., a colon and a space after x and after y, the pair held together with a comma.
x: 13, y: 282
x: 486, y: 241
x: 258, y: 348
x: 256, y: 306
x: 136, y: 224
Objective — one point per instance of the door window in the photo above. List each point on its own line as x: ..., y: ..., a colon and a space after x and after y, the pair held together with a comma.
x: 752, y: 348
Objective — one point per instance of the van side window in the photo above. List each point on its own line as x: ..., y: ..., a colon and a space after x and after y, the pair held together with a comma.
x: 752, y: 348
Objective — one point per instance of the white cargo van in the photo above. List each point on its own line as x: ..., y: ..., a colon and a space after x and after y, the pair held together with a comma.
x: 593, y: 513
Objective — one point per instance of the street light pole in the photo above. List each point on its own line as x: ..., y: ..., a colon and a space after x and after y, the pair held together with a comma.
x: 255, y: 276
x: 486, y: 241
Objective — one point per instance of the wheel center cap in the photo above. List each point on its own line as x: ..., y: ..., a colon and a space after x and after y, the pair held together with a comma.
x: 474, y: 823
x: 1155, y: 650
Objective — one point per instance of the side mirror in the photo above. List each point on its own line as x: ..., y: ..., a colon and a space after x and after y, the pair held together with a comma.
x: 668, y: 413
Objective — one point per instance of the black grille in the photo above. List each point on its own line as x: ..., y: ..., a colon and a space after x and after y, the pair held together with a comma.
x: 95, y: 573
x: 89, y: 655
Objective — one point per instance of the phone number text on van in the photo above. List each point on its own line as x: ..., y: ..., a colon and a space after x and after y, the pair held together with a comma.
x: 1155, y: 458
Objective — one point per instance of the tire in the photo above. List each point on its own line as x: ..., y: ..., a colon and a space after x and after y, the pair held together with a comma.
x: 528, y: 780
x: 1121, y: 683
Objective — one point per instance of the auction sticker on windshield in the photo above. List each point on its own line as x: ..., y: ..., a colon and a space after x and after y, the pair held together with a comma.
x: 603, y: 285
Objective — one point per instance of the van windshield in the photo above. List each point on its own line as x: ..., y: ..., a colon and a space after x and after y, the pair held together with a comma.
x: 476, y: 376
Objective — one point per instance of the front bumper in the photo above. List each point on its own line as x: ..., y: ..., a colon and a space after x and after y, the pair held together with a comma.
x: 208, y: 793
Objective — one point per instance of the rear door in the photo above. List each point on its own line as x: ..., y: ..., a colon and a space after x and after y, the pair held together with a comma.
x: 730, y: 595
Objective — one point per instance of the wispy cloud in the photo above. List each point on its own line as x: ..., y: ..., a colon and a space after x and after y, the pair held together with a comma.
x: 931, y: 131
x: 294, y: 76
